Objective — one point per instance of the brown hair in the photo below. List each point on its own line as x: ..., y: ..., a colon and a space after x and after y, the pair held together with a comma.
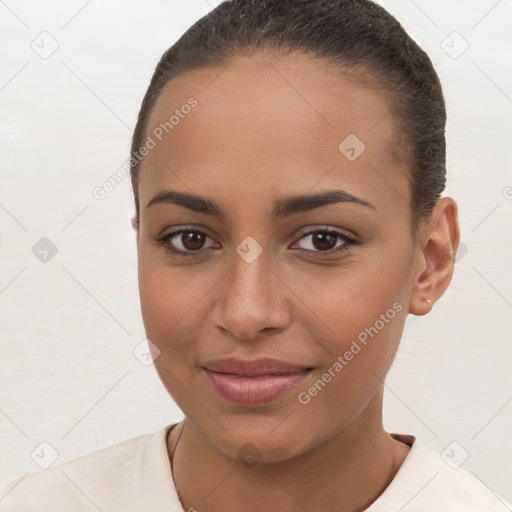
x: 358, y: 36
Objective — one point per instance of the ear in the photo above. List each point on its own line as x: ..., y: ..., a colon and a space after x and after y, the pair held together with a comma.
x: 437, y: 248
x: 135, y: 225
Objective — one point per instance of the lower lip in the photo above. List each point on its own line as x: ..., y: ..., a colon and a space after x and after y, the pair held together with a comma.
x: 253, y: 391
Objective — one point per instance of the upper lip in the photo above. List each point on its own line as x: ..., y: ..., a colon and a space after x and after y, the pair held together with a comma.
x: 253, y: 367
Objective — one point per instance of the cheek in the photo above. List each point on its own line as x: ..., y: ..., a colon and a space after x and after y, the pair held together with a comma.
x: 165, y: 299
x: 340, y: 302
x: 357, y: 361
x: 355, y: 314
x: 173, y: 301
x: 167, y: 305
x: 170, y: 303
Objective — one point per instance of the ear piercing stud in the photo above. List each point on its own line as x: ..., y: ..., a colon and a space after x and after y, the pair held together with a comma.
x: 428, y: 301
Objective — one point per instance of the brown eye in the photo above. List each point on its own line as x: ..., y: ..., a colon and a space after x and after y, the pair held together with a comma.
x: 185, y: 242
x: 325, y: 242
x: 192, y: 240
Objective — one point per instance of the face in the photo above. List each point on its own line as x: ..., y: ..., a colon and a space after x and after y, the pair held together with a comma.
x: 320, y: 285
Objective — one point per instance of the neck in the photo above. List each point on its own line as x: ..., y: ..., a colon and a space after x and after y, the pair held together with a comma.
x: 349, y: 471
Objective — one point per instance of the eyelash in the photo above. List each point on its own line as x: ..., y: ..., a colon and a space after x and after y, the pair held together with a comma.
x: 349, y: 242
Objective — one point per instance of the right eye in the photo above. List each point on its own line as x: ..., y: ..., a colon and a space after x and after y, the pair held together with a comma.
x: 190, y: 240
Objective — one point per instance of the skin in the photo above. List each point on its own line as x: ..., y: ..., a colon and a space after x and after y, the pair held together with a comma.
x: 268, y: 127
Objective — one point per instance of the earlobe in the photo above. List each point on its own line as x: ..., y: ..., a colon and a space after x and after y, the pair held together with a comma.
x: 421, y: 305
x: 135, y: 223
x: 135, y: 226
x: 435, y: 264
x: 422, y: 296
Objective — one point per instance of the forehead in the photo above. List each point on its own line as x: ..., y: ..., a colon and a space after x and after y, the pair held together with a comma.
x: 264, y: 123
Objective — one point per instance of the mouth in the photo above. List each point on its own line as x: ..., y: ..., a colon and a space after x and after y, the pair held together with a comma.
x: 253, y: 382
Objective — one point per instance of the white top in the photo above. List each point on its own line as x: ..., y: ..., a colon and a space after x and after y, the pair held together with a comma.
x: 135, y: 475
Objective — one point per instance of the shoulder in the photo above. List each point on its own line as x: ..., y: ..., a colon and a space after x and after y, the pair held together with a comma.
x: 426, y: 481
x: 82, y: 484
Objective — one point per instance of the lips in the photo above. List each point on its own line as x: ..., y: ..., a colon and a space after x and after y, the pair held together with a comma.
x: 253, y: 382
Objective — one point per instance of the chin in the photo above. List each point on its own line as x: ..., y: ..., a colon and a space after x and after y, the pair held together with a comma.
x: 262, y: 440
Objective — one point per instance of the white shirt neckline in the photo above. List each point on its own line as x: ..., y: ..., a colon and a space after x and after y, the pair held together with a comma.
x: 153, y: 474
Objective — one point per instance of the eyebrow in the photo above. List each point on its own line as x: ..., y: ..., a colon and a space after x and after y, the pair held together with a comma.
x: 283, y: 207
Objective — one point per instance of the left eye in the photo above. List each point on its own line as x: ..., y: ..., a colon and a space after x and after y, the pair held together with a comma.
x: 324, y: 241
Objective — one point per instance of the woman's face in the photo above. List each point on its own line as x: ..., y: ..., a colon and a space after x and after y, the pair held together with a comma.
x: 265, y: 281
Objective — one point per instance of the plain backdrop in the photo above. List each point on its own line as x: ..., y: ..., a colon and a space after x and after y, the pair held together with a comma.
x: 72, y: 78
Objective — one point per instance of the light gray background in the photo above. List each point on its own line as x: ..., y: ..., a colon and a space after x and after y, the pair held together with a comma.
x: 69, y: 326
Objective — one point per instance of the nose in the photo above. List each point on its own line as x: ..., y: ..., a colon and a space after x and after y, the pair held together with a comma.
x: 252, y: 299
